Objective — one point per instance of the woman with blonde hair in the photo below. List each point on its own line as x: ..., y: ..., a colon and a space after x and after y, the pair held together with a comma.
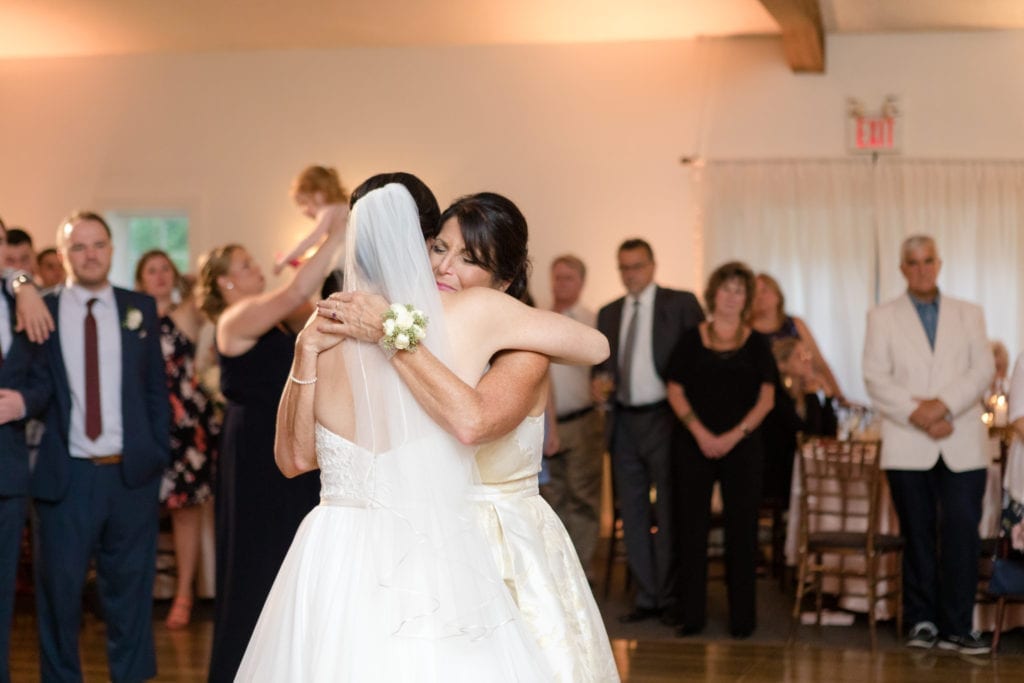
x: 257, y: 509
x: 769, y: 317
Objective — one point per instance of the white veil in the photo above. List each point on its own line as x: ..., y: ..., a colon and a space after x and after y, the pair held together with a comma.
x: 441, y: 584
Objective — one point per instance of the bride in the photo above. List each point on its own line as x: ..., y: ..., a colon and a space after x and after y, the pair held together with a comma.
x: 482, y: 244
x: 388, y: 579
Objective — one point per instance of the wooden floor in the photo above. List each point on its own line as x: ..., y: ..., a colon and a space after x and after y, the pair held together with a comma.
x: 182, y: 657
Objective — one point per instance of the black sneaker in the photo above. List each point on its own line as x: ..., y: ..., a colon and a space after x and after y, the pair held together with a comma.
x: 924, y: 635
x: 971, y: 644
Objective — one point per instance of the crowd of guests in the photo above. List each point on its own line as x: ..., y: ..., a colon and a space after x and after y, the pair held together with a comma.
x: 691, y: 396
x: 694, y: 401
x: 122, y: 429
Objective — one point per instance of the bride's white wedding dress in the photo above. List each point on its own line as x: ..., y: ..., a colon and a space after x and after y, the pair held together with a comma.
x: 355, y: 597
x: 537, y: 559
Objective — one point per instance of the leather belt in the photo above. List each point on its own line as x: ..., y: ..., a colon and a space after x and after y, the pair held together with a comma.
x: 106, y: 460
x: 574, y: 415
x: 645, y: 408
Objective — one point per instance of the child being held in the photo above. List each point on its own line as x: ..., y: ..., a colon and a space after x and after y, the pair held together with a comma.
x: 317, y: 191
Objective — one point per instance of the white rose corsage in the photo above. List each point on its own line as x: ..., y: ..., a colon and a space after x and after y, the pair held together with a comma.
x: 132, y: 319
x: 404, y: 328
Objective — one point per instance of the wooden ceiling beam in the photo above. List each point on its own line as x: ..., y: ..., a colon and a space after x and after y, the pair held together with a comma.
x: 803, y: 37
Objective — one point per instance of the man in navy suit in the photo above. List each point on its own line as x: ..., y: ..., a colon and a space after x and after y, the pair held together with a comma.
x: 96, y: 481
x: 642, y: 329
x: 18, y: 398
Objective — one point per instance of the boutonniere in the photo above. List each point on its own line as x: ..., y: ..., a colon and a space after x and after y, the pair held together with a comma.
x: 132, y: 319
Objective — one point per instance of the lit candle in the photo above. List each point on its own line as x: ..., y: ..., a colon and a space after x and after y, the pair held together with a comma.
x: 999, y: 412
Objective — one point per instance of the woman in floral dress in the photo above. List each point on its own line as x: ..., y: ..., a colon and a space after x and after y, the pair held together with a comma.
x: 187, y: 483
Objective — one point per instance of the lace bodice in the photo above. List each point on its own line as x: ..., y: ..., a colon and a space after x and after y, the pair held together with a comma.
x: 346, y: 470
x: 515, y: 456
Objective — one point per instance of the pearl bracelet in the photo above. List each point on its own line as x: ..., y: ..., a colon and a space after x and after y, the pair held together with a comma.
x: 293, y: 378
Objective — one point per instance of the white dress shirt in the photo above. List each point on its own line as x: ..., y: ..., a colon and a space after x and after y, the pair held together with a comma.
x: 6, y: 333
x: 72, y: 309
x: 572, y: 382
x: 646, y: 385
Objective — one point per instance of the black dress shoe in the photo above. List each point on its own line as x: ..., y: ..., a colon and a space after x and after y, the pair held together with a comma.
x: 670, y: 619
x: 639, y: 614
x: 741, y: 632
x: 684, y: 631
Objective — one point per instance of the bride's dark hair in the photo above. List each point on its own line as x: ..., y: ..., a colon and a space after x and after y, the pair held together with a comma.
x: 495, y: 233
x: 426, y: 202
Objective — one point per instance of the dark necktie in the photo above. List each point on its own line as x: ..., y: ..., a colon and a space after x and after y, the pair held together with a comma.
x: 626, y: 368
x: 93, y: 413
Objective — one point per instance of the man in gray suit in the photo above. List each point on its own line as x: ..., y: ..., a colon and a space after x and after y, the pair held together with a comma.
x: 642, y: 329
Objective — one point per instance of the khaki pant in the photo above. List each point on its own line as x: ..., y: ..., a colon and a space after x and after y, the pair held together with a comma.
x: 574, y: 491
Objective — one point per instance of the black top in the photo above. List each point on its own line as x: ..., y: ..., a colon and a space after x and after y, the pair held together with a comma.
x: 258, y: 510
x: 722, y: 386
x: 787, y: 330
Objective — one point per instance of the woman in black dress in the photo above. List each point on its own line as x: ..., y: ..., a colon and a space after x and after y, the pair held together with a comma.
x: 721, y: 386
x: 801, y: 405
x: 258, y: 510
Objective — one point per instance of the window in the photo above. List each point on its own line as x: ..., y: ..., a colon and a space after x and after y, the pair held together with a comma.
x: 135, y: 233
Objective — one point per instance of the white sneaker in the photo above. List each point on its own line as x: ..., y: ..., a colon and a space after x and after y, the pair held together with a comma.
x: 924, y: 635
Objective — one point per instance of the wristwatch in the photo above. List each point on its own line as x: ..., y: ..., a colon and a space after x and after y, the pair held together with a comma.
x: 22, y: 279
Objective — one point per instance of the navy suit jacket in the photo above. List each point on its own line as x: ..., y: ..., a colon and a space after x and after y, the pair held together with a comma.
x: 145, y: 410
x: 14, y: 374
x: 675, y: 311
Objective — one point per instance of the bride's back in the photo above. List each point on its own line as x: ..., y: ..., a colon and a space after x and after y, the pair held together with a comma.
x: 471, y: 351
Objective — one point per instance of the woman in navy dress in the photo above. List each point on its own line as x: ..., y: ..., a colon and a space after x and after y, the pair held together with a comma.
x: 258, y: 510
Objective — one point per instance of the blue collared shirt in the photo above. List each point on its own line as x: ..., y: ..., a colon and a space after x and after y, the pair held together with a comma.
x: 928, y: 312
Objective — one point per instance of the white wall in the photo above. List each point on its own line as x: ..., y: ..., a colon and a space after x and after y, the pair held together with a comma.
x: 585, y: 138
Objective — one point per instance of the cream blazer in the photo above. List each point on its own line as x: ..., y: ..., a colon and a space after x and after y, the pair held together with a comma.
x: 900, y: 366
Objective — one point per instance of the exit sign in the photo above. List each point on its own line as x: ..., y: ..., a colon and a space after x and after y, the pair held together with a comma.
x: 874, y: 134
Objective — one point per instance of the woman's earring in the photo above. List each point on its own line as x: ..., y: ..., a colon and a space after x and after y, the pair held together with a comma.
x: 230, y: 285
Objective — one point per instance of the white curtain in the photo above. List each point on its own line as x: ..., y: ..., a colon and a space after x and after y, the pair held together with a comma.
x: 830, y: 232
x: 810, y: 225
x: 975, y: 212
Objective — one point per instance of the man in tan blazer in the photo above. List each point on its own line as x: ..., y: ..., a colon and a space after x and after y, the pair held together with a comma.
x: 926, y: 365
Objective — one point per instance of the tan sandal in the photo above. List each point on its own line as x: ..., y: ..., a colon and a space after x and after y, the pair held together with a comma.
x: 180, y: 614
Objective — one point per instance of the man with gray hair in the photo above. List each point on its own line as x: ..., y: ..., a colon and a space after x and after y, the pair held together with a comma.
x: 574, y: 491
x: 926, y: 365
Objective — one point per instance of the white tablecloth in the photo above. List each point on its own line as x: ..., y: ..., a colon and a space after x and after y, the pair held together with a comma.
x: 984, y: 614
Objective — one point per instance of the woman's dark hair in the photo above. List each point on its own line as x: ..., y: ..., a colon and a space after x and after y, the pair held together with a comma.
x: 179, y: 282
x: 733, y: 270
x: 495, y: 233
x: 426, y: 202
